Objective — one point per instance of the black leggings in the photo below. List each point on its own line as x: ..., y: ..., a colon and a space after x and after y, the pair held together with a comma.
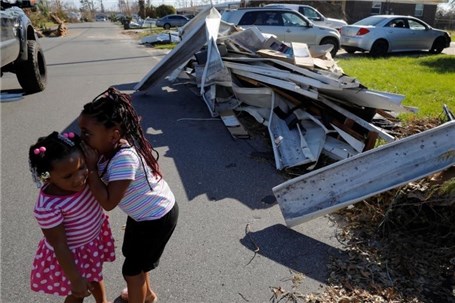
x: 144, y: 242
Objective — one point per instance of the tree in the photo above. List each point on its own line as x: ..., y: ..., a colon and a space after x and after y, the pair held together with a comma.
x: 141, y: 12
x: 150, y: 11
x: 164, y: 10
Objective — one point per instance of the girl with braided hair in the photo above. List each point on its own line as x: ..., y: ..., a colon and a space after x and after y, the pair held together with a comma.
x: 77, y: 237
x: 123, y: 172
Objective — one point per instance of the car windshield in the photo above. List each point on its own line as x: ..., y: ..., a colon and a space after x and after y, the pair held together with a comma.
x: 373, y: 20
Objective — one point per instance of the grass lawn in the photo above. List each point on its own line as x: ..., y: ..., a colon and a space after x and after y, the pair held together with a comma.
x: 426, y: 81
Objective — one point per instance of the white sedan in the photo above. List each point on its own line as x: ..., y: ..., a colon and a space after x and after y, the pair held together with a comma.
x: 382, y: 34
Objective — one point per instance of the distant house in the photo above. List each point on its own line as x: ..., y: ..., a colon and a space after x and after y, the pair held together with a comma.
x: 353, y: 11
x: 424, y: 10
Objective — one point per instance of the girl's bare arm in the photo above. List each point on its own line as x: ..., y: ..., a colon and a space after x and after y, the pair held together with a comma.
x: 108, y: 196
x: 56, y: 237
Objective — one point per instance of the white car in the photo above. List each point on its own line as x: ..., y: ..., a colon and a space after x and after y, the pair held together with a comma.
x: 313, y: 14
x: 383, y: 34
x: 287, y: 25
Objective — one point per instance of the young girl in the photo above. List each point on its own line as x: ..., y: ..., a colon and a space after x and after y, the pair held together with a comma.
x: 124, y: 172
x: 77, y: 237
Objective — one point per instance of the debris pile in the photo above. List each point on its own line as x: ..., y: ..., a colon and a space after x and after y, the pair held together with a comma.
x: 161, y: 38
x: 59, y: 31
x: 311, y: 108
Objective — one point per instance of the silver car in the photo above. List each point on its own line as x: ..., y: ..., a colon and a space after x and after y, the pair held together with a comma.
x: 313, y: 14
x: 287, y: 25
x: 171, y: 21
x: 383, y: 34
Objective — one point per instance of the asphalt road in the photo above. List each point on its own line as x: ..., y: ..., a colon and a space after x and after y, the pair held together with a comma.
x: 231, y: 243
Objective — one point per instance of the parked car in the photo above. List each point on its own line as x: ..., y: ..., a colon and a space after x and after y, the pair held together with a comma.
x: 287, y: 25
x: 100, y: 18
x: 311, y: 13
x: 383, y: 34
x: 171, y: 21
x: 21, y: 53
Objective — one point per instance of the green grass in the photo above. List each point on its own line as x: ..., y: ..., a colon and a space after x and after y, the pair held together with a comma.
x: 426, y: 81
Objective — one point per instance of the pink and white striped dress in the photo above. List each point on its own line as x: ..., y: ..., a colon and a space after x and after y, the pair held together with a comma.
x: 88, y: 236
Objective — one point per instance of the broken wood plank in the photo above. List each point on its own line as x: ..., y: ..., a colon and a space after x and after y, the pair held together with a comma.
x: 233, y: 125
x: 276, y: 82
x: 382, y: 133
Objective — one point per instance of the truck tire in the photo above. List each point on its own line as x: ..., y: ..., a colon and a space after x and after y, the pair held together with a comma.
x: 32, y: 74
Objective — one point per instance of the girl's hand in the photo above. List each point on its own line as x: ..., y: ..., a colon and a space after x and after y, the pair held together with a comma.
x: 91, y: 156
x: 81, y: 288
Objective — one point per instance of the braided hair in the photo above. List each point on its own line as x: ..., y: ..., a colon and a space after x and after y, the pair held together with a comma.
x: 114, y: 108
x: 48, y: 149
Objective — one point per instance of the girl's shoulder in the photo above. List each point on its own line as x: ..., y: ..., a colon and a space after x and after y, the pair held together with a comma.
x: 48, y: 200
x: 126, y: 153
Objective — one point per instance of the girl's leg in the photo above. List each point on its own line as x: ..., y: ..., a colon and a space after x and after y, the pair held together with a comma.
x: 150, y: 295
x: 73, y: 299
x: 99, y: 292
x: 137, y: 288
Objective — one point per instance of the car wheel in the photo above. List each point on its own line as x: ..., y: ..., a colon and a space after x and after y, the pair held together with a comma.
x: 438, y: 46
x: 167, y: 26
x: 349, y: 50
x: 379, y: 48
x: 32, y: 74
x: 331, y: 41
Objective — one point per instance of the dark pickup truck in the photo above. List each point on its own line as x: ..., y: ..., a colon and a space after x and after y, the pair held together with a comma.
x: 20, y: 51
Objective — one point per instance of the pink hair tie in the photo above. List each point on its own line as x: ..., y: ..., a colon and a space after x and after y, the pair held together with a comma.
x: 69, y: 135
x: 39, y: 150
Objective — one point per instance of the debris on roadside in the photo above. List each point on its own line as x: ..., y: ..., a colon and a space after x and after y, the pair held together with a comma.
x: 59, y: 31
x: 161, y: 38
x: 399, y: 237
x: 311, y: 110
x: 298, y: 91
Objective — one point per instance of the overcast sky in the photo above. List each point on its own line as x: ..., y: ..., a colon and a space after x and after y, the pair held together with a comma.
x: 112, y: 4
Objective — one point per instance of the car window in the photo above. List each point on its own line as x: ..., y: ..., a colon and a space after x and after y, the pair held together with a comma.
x: 248, y: 18
x: 290, y: 19
x: 397, y: 23
x: 415, y: 25
x: 310, y: 13
x: 370, y: 21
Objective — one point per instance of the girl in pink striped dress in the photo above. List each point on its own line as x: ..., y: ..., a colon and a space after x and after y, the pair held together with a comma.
x: 77, y: 237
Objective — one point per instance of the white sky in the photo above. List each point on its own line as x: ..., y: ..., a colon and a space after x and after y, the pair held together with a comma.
x: 113, y: 4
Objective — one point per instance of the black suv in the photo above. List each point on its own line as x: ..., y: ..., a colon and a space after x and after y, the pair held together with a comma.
x: 20, y: 51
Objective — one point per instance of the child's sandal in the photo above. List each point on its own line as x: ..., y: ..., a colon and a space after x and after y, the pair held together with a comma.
x: 124, y: 296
